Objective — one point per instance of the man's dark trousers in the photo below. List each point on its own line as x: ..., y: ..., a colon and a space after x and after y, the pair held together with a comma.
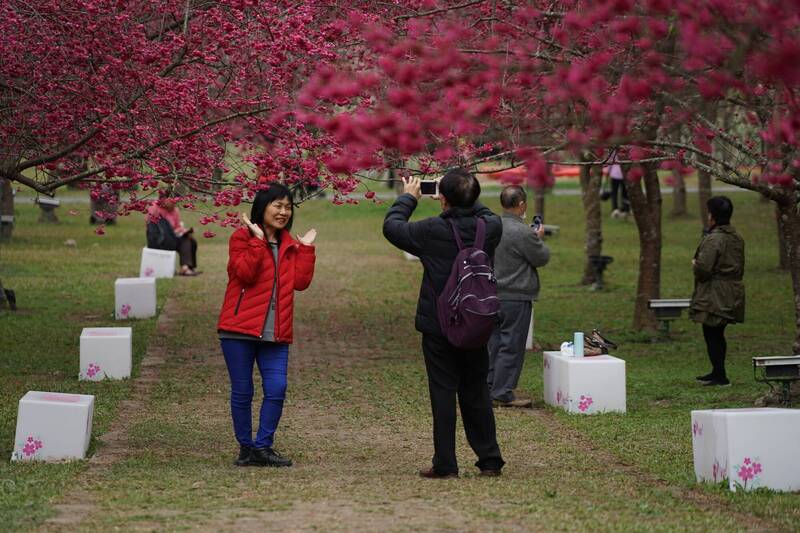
x: 507, y: 349
x: 454, y: 372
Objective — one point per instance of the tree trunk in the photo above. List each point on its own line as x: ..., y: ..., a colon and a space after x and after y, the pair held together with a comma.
x: 790, y: 221
x: 6, y: 209
x: 703, y: 195
x: 591, y: 180
x: 679, y: 194
x: 538, y: 201
x: 646, y: 206
x: 783, y: 251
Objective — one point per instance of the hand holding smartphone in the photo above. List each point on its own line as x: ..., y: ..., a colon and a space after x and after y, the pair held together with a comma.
x: 429, y: 187
x: 538, y: 225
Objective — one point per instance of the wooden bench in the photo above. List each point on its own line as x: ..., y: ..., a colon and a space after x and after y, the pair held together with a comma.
x: 551, y: 229
x: 6, y: 226
x: 781, y: 370
x: 667, y: 310
x: 48, y: 207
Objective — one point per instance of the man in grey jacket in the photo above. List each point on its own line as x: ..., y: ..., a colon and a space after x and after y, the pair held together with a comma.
x: 520, y: 252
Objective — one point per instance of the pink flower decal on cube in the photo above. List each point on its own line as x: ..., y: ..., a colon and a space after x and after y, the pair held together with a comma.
x: 585, y: 403
x: 559, y: 397
x: 697, y: 429
x: 125, y: 309
x: 546, y: 362
x: 748, y: 472
x: 149, y: 272
x: 93, y: 370
x: 30, y: 447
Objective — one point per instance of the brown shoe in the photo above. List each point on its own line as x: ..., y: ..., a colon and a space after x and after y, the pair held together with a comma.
x: 491, y: 472
x: 519, y: 403
x: 433, y: 474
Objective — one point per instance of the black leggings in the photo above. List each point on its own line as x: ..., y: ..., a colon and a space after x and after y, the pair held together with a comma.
x: 717, y: 348
x: 187, y: 251
x: 618, y: 189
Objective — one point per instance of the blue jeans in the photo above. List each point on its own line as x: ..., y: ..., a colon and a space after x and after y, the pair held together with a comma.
x: 273, y: 360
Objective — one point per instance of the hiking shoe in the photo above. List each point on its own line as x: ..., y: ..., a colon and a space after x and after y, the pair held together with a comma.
x: 244, y: 456
x: 705, y: 379
x: 267, y: 457
x: 519, y: 403
x: 717, y: 382
x: 430, y: 473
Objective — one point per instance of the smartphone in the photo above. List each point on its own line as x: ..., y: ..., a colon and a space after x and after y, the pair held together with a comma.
x: 429, y: 187
x: 537, y: 222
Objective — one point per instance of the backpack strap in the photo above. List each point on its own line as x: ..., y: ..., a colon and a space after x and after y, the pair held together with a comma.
x: 480, y: 234
x: 459, y: 242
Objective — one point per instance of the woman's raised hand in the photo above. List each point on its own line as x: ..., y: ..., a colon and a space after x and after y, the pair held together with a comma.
x: 254, y: 229
x: 308, y: 238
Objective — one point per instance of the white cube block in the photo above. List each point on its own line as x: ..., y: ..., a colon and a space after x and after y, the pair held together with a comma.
x: 584, y: 385
x: 134, y: 298
x: 157, y: 263
x: 747, y: 448
x: 106, y: 353
x: 52, y: 426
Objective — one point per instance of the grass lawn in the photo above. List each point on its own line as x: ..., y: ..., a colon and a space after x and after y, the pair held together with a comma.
x: 357, y: 420
x: 60, y: 290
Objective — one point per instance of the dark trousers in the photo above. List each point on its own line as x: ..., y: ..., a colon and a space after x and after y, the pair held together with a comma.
x: 717, y: 348
x: 507, y: 349
x: 618, y: 189
x: 187, y: 251
x: 272, y: 360
x: 455, y: 373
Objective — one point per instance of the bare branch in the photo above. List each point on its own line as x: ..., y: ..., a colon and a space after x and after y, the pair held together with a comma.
x: 441, y: 10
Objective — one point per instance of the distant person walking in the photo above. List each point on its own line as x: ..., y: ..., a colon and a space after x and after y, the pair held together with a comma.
x: 265, y: 266
x: 453, y: 373
x: 718, y: 298
x: 520, y: 252
x: 620, y: 206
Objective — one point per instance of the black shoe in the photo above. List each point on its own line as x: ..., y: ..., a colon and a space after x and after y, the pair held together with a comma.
x: 244, y: 456
x: 267, y: 457
x: 705, y: 379
x: 491, y: 472
x: 717, y: 382
x: 430, y: 473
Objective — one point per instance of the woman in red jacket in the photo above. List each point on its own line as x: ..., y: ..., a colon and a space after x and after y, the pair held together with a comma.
x: 265, y: 266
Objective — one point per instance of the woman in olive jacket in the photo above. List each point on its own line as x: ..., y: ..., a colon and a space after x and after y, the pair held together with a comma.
x: 718, y: 298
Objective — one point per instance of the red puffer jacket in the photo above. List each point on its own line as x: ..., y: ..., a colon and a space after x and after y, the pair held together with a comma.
x: 251, y: 274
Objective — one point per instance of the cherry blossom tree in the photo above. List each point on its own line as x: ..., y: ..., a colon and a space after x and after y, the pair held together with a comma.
x: 140, y: 95
x: 552, y: 81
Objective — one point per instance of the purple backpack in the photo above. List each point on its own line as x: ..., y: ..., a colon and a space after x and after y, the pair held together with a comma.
x: 467, y: 307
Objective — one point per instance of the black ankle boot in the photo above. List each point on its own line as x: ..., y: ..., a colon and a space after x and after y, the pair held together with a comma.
x: 268, y: 457
x: 244, y: 456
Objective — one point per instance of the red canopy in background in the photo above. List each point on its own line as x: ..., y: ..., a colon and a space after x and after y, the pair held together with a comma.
x: 519, y: 175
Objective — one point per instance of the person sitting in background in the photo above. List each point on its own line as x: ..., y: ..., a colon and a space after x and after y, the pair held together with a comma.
x: 718, y: 298
x: 165, y: 231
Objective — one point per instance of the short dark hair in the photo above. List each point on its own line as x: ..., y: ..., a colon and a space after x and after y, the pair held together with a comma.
x: 264, y: 197
x: 721, y: 208
x: 512, y: 196
x: 460, y: 188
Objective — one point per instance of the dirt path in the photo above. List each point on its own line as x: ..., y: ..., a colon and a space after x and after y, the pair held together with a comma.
x: 357, y: 425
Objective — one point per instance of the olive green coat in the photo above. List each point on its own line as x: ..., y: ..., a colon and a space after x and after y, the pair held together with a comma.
x: 718, y: 270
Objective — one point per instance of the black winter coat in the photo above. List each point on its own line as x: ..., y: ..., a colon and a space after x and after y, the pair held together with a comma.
x: 432, y: 241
